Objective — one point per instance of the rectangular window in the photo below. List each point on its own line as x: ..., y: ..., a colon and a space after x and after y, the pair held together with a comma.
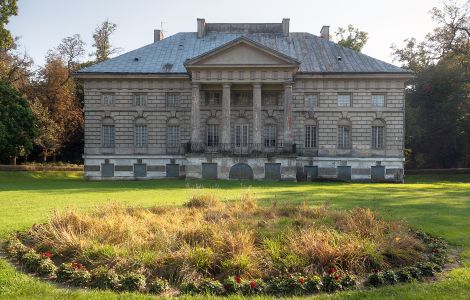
x: 310, y: 136
x: 344, y: 100
x: 377, y: 137
x: 311, y: 100
x: 378, y: 100
x: 242, y: 98
x: 108, y: 136
x: 241, y: 135
x: 213, y: 97
x: 140, y: 135
x: 344, y: 137
x: 107, y: 99
x: 270, y: 98
x: 172, y: 99
x: 270, y: 136
x: 173, y: 136
x: 140, y: 99
x: 212, y: 135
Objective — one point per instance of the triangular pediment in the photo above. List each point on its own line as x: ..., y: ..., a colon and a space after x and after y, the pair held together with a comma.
x: 242, y: 52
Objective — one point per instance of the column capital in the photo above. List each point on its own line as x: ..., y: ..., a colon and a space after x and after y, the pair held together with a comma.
x: 288, y: 83
x: 257, y: 85
x: 226, y: 84
x: 195, y: 85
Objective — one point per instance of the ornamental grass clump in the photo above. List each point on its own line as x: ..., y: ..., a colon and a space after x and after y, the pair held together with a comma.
x: 209, y: 246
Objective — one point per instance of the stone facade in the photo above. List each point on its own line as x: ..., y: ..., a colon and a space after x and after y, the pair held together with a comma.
x: 243, y: 110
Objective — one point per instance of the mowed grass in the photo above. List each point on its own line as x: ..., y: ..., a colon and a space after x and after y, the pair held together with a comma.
x: 438, y: 205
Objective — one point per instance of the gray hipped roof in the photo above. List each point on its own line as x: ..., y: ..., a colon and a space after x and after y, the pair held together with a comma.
x: 315, y: 54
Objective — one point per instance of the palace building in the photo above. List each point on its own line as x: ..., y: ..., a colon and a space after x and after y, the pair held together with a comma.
x: 244, y: 101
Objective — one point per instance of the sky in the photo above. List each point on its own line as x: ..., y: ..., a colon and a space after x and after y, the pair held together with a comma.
x: 41, y: 25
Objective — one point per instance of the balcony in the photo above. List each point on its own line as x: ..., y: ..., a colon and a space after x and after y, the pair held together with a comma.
x: 232, y: 149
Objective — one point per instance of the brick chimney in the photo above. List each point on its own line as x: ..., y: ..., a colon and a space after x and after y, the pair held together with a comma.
x: 157, y: 35
x: 201, y: 27
x: 285, y: 27
x: 325, y: 32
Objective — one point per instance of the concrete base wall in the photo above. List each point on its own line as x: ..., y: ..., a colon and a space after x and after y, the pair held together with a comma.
x: 190, y: 166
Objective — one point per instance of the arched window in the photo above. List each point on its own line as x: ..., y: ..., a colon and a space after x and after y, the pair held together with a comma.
x: 311, y: 133
x: 378, y: 130
x: 173, y: 133
x: 212, y: 132
x: 140, y: 132
x: 344, y: 134
x: 108, y: 132
x: 270, y: 133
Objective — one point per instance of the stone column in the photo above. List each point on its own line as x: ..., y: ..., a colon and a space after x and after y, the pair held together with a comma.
x: 195, y: 117
x: 288, y: 134
x: 226, y: 115
x: 257, y: 116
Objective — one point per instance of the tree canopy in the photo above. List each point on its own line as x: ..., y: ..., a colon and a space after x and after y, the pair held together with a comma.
x: 351, y: 37
x: 17, y: 123
x: 438, y: 99
x: 102, y: 42
x: 8, y: 8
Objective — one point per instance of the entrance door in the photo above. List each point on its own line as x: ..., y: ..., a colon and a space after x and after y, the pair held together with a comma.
x: 241, y: 138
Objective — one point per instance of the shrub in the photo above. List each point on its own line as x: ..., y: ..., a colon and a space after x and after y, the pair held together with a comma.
x: 429, y: 269
x: 64, y: 272
x: 79, y: 278
x: 407, y: 274
x: 15, y: 248
x: 132, y: 282
x: 313, y: 284
x: 233, y: 284
x: 158, y: 286
x: 348, y: 282
x: 331, y: 283
x: 287, y: 285
x: 210, y: 287
x: 46, y: 267
x: 31, y: 261
x: 439, y: 258
x: 205, y: 286
x: 104, y: 278
x: 390, y: 277
x: 376, y: 279
x: 254, y: 287
x: 189, y: 288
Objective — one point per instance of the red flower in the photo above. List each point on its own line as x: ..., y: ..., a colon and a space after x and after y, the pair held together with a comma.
x: 337, y: 277
x: 301, y: 280
x: 434, y: 250
x: 238, y: 279
x: 47, y: 254
x: 331, y: 270
x: 77, y: 266
x: 376, y: 271
x: 253, y: 284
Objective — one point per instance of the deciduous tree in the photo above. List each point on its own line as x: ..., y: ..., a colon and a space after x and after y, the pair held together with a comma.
x: 351, y: 37
x: 17, y: 124
x: 102, y: 42
x: 49, y: 136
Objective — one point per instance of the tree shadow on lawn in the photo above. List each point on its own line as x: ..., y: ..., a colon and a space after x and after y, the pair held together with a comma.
x: 445, y: 215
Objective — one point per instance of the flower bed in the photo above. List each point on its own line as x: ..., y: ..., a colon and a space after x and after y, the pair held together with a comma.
x: 222, y: 248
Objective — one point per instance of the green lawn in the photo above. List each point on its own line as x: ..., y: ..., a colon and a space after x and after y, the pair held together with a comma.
x: 435, y: 204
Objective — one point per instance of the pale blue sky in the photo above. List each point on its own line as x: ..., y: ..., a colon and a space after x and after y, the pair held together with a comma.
x: 42, y: 24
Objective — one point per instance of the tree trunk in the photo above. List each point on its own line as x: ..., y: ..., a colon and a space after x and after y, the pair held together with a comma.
x: 13, y: 160
x: 44, y: 157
